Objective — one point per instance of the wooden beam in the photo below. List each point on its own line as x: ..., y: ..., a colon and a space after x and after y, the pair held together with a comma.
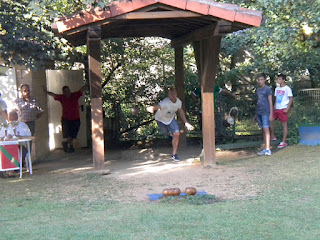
x: 127, y: 28
x: 182, y: 27
x: 153, y: 16
x: 209, y: 49
x: 197, y: 55
x: 97, y: 133
x: 157, y: 15
x: 143, y: 27
x: 93, y: 44
x: 180, y: 87
x: 137, y: 24
x: 225, y: 27
x: 196, y: 35
x: 94, y: 67
x: 156, y: 7
x: 216, y: 29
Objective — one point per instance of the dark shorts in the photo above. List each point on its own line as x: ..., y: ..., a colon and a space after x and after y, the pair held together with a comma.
x: 280, y: 114
x: 70, y: 128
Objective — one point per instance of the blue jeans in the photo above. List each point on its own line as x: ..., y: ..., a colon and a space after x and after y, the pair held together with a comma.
x: 172, y: 127
x: 263, y: 121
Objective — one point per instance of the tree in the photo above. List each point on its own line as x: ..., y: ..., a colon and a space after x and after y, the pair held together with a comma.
x: 144, y: 67
x: 25, y: 39
x: 26, y: 36
x: 280, y: 44
x: 135, y: 70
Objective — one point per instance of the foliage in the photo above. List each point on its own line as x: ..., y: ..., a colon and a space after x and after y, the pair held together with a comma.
x: 136, y: 71
x: 279, y: 45
x: 140, y: 72
x: 142, y: 61
x: 192, y: 200
x: 142, y: 69
x: 25, y: 38
x: 26, y: 35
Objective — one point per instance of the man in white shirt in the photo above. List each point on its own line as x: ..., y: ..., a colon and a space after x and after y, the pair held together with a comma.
x: 165, y: 117
x: 284, y: 99
x: 22, y: 129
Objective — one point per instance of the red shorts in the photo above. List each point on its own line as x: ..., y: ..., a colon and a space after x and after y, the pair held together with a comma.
x: 280, y: 114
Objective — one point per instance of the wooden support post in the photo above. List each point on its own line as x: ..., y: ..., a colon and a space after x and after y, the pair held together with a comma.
x: 93, y: 44
x: 180, y: 86
x: 209, y: 50
x: 197, y: 56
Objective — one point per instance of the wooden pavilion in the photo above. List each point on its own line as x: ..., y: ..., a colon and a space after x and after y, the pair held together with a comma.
x: 200, y: 22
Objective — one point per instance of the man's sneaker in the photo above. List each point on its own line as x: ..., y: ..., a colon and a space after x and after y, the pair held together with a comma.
x: 268, y: 152
x: 273, y: 139
x: 65, y: 146
x: 70, y: 149
x: 261, y: 153
x: 282, y: 145
x: 265, y: 152
x: 175, y: 158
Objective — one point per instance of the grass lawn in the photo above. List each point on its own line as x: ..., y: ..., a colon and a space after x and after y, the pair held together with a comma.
x: 82, y: 206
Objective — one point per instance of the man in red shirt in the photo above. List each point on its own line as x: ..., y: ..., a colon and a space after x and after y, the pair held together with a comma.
x: 70, y: 119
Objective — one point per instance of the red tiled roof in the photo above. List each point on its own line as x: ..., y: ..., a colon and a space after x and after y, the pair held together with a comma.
x: 224, y: 11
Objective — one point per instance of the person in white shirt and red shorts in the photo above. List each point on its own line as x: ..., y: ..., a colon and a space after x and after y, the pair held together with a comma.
x: 282, y: 105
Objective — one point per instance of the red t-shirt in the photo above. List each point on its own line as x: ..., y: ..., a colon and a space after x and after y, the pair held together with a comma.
x: 70, y: 106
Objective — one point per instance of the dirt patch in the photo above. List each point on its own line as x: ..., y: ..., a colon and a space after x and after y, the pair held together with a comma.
x: 148, y: 171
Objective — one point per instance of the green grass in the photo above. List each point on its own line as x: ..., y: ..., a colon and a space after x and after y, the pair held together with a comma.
x: 193, y: 200
x: 85, y: 206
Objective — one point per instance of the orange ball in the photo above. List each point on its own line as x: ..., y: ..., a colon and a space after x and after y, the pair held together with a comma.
x: 190, y: 191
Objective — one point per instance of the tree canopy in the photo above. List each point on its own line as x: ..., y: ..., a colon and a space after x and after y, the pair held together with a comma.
x: 136, y: 70
x: 287, y: 41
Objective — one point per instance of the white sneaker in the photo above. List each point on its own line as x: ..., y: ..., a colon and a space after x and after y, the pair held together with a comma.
x: 282, y: 145
x: 261, y: 153
x: 265, y: 152
x: 268, y: 152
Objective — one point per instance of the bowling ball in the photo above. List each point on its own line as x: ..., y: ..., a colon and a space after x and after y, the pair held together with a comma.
x: 165, y: 192
x: 190, y: 191
x: 170, y: 192
x: 176, y: 191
